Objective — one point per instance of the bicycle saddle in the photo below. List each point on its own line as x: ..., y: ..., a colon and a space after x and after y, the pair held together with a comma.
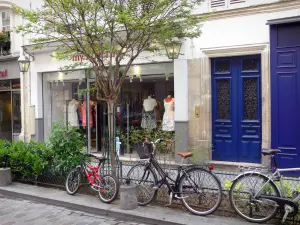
x: 185, y: 154
x: 96, y: 157
x: 270, y: 151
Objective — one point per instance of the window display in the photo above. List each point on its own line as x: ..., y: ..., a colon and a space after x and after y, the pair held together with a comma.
x: 168, y: 123
x: 10, y: 109
x: 63, y: 100
x: 148, y: 116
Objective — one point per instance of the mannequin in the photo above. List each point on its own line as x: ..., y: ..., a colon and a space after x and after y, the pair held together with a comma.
x: 148, y: 119
x: 168, y: 123
x: 72, y: 113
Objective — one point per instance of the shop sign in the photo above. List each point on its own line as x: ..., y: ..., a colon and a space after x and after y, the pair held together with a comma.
x: 3, y: 73
x: 81, y: 58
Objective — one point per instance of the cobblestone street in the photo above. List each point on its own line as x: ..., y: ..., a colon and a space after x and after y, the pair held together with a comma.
x: 23, y: 212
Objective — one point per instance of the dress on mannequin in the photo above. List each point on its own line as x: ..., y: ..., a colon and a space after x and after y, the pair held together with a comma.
x: 72, y: 113
x: 83, y: 114
x: 148, y: 118
x: 168, y: 123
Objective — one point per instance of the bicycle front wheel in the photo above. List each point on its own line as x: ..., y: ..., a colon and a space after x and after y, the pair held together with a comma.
x: 242, y: 197
x: 145, y: 178
x: 201, y: 191
x: 109, y: 188
x: 73, y: 181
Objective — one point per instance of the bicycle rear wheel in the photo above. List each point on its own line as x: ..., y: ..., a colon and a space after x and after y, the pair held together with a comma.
x: 73, y: 181
x: 242, y: 192
x: 109, y: 188
x: 201, y: 191
x: 145, y: 178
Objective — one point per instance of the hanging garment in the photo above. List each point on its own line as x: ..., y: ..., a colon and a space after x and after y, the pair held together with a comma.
x: 148, y: 120
x: 83, y: 114
x: 168, y: 123
x: 72, y: 113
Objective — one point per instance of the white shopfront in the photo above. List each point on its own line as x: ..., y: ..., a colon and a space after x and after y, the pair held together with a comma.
x: 57, y: 97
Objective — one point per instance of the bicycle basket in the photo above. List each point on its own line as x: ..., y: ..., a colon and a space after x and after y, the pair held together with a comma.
x: 144, y: 150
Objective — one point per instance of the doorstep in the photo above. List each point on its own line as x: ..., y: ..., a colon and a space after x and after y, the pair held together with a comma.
x: 91, y: 204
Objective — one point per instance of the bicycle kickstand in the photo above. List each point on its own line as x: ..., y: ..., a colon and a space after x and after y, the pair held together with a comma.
x: 287, y: 210
x: 170, y: 199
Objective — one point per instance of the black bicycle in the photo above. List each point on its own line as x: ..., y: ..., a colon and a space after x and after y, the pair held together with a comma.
x: 197, y: 187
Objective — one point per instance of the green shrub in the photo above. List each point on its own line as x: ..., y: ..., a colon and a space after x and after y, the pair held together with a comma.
x: 4, y: 151
x: 137, y: 135
x: 66, y: 146
x: 28, y: 159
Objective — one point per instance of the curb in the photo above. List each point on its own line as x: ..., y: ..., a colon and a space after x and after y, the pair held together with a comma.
x: 90, y: 210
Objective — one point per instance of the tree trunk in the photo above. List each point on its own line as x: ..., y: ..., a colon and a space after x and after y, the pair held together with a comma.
x: 111, y: 136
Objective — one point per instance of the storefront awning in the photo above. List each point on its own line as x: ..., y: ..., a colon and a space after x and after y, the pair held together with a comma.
x: 284, y: 20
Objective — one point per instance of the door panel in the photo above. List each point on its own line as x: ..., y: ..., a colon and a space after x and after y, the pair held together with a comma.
x: 285, y: 92
x: 236, y: 104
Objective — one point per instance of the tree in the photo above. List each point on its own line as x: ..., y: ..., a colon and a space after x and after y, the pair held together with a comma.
x: 109, y: 34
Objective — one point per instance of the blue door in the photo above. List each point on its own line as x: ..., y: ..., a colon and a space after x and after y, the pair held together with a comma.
x: 285, y: 93
x: 236, y: 109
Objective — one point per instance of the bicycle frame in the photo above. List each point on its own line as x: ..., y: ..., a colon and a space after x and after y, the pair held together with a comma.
x: 276, y: 175
x: 165, y: 177
x: 92, y: 174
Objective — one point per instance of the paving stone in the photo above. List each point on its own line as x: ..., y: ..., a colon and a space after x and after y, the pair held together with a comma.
x: 21, y: 212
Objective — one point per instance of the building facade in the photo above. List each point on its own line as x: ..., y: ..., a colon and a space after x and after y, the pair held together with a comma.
x: 243, y: 75
x: 235, y: 87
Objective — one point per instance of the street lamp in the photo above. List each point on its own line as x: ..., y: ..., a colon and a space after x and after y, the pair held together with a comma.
x: 173, y: 49
x: 24, y: 64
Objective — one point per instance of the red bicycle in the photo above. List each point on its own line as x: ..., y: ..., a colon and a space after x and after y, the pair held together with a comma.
x: 106, y: 185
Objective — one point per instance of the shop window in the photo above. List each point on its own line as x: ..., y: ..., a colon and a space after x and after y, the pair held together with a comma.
x: 16, y: 84
x: 63, y: 100
x: 16, y: 107
x: 5, y: 85
x: 5, y: 115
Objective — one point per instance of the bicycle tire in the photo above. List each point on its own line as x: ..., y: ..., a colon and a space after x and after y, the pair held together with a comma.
x: 140, y: 169
x: 212, y: 184
x: 249, y: 177
x: 76, y: 170
x: 104, y: 190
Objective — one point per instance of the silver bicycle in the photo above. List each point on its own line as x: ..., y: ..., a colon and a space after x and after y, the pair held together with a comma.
x: 255, y: 196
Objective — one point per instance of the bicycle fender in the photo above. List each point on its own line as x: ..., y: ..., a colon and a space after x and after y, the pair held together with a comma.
x: 262, y: 175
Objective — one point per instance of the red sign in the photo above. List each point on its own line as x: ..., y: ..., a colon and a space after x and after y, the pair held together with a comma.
x: 80, y: 58
x: 3, y: 73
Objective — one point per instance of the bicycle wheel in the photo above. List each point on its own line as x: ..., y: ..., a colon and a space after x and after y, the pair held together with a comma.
x: 145, y: 179
x: 73, y: 181
x: 109, y: 188
x: 242, y: 192
x: 201, y: 191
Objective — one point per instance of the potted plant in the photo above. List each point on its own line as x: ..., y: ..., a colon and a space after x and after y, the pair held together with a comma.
x: 4, y: 40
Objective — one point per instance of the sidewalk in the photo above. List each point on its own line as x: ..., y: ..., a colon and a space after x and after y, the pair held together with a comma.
x: 92, y: 205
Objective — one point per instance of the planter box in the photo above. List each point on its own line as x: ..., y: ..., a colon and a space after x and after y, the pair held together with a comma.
x: 5, y: 177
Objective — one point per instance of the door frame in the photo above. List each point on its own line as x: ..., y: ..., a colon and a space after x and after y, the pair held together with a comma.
x: 241, y: 50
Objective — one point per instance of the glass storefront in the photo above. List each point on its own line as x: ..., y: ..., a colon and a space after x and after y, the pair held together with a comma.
x: 10, y: 109
x: 146, y: 103
x: 63, y: 100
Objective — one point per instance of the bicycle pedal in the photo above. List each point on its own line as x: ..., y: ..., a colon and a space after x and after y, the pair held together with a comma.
x: 181, y: 197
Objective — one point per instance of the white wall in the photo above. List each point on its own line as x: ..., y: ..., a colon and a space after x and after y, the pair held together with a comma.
x: 235, y: 31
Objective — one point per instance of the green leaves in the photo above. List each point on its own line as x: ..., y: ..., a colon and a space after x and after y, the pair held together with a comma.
x: 66, y: 146
x: 122, y: 29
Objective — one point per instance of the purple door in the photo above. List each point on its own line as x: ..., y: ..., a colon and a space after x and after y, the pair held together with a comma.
x: 285, y: 93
